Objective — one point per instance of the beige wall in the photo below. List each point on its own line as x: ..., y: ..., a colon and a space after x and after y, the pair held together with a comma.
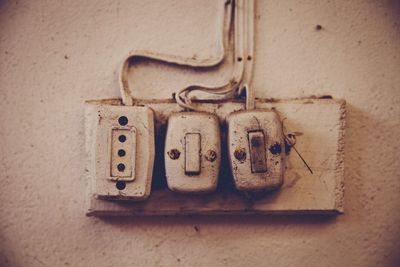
x: 56, y: 54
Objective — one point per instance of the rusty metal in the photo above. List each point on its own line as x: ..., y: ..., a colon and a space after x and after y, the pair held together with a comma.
x: 240, y: 154
x: 211, y: 155
x: 174, y: 153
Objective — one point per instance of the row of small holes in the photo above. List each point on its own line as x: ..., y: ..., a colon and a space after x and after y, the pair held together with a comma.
x: 122, y: 138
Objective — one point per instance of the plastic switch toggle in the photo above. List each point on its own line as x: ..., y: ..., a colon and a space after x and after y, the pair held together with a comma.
x: 257, y: 152
x: 192, y: 153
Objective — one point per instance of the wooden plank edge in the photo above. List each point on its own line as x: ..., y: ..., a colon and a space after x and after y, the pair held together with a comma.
x: 339, y: 170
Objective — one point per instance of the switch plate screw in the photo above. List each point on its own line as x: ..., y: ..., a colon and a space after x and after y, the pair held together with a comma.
x: 211, y: 155
x: 174, y: 153
x: 275, y: 149
x: 240, y: 154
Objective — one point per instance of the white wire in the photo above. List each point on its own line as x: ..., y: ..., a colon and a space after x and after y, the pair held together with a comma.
x: 126, y: 93
x: 229, y: 89
x: 249, y: 48
x: 243, y: 62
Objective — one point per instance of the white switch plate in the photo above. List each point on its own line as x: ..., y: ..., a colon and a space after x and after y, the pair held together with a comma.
x: 120, y: 151
x: 192, y: 152
x: 256, y: 149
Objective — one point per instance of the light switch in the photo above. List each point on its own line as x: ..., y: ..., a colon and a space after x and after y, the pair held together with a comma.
x: 255, y: 147
x: 192, y: 152
x: 257, y: 151
x: 123, y: 151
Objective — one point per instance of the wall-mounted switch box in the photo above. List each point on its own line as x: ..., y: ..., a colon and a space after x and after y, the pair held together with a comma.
x: 256, y: 149
x: 320, y: 191
x: 192, y: 152
x: 123, y: 148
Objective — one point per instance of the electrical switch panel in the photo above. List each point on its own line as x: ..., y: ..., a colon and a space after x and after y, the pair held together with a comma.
x: 256, y: 149
x: 192, y: 152
x: 124, y: 152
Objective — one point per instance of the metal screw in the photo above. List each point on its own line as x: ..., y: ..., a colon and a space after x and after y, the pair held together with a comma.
x: 240, y: 154
x: 174, y: 153
x: 211, y: 155
x: 275, y: 149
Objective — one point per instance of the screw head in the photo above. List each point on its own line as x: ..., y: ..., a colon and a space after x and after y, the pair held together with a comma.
x: 174, y: 153
x: 275, y: 149
x: 240, y: 154
x: 211, y: 155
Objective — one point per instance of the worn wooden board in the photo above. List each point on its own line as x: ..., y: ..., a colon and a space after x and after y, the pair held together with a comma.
x: 320, y: 123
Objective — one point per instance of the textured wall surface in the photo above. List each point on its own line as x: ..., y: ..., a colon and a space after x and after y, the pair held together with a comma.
x: 56, y: 54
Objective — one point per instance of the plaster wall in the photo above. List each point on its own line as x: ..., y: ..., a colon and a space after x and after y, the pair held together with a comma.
x: 56, y: 54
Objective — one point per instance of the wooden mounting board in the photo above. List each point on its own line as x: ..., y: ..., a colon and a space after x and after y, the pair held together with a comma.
x: 320, y: 123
